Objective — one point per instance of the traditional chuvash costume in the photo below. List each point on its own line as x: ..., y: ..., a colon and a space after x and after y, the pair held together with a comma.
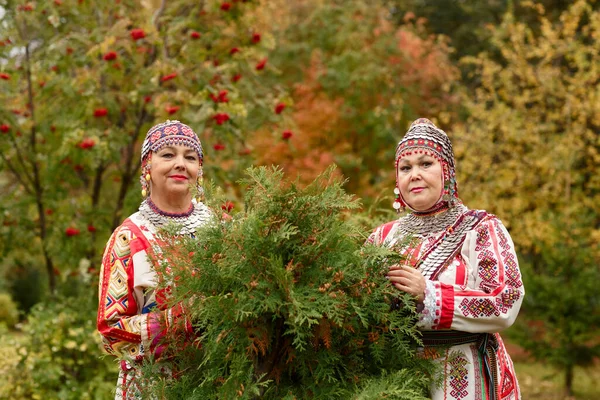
x: 473, y: 283
x: 131, y: 315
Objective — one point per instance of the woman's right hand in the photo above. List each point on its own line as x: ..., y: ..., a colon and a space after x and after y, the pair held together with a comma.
x: 409, y: 280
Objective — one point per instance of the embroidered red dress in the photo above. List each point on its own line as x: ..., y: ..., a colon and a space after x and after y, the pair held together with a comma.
x: 474, y: 286
x: 130, y: 318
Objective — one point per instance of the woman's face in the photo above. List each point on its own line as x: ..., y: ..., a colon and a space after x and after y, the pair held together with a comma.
x: 173, y: 170
x: 420, y: 180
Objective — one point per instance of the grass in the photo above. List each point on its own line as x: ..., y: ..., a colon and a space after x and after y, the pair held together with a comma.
x: 9, y: 360
x: 539, y: 381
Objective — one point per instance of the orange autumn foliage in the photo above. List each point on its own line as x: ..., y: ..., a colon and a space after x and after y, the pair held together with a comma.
x: 309, y: 151
x: 354, y: 115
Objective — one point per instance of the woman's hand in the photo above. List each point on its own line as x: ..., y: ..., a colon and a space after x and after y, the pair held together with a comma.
x: 409, y: 280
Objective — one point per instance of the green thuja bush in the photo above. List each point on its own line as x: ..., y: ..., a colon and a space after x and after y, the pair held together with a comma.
x: 57, y: 355
x: 288, y: 303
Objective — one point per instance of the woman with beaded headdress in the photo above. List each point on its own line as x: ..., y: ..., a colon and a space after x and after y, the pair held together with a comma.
x: 132, y: 317
x: 460, y: 266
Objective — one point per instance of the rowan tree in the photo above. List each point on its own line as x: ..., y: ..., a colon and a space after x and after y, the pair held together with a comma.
x: 356, y: 82
x: 81, y: 83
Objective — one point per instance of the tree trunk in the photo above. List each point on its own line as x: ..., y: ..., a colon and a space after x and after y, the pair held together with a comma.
x: 125, y: 183
x: 38, y: 187
x: 569, y: 380
x: 95, y: 201
x: 130, y: 168
x: 50, y: 271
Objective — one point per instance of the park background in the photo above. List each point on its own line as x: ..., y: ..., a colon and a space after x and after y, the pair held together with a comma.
x: 301, y: 84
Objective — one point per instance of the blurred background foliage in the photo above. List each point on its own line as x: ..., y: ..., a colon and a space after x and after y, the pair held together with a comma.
x: 301, y: 84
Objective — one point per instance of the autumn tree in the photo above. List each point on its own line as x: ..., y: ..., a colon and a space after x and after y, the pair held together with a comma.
x: 356, y: 82
x: 463, y: 22
x: 529, y: 152
x: 467, y: 23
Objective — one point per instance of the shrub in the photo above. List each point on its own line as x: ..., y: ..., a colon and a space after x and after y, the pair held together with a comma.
x: 288, y: 304
x: 27, y: 288
x: 58, y: 355
x: 9, y: 314
x: 22, y: 278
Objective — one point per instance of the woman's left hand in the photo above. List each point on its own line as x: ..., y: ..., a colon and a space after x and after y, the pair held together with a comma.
x: 409, y: 280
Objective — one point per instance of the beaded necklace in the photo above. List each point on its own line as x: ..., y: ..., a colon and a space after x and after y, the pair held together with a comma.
x: 431, y: 221
x: 157, y: 210
x: 188, y: 222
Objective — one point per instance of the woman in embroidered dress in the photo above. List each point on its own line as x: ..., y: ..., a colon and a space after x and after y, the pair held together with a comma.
x: 131, y: 318
x: 461, y: 267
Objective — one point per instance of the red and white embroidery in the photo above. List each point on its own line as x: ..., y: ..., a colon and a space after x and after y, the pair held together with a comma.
x: 483, y: 296
x: 458, y: 377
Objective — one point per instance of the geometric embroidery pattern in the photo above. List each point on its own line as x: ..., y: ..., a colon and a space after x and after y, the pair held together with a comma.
x: 487, y: 264
x: 488, y: 270
x: 478, y: 308
x: 483, y: 238
x: 116, y: 295
x: 123, y: 347
x: 457, y: 376
x: 464, y: 377
x: 132, y: 324
x: 126, y: 332
x: 507, y: 386
x: 507, y: 298
x: 120, y: 330
x: 513, y: 277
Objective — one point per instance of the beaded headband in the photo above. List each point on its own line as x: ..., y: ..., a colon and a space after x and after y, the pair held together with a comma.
x: 424, y: 134
x: 168, y: 133
x: 424, y: 137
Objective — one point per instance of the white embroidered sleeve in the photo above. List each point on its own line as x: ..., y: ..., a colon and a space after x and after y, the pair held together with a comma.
x: 431, y: 310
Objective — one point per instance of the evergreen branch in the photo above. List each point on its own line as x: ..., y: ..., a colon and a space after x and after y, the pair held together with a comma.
x: 294, y: 304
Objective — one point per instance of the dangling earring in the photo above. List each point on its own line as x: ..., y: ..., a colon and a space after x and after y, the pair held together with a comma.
x: 446, y: 197
x: 452, y: 193
x: 146, y: 186
x: 398, y: 205
x: 145, y: 180
x: 199, y: 188
x: 449, y: 181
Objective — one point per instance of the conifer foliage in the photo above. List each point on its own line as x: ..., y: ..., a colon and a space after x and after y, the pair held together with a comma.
x: 288, y: 303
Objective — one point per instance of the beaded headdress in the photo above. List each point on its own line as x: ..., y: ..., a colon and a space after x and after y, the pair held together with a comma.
x: 426, y: 138
x: 168, y: 133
